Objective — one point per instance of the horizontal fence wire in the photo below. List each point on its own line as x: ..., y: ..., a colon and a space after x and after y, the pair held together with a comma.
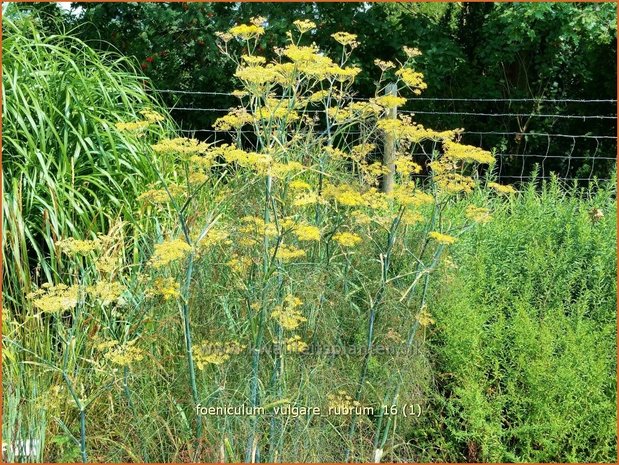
x: 435, y: 99
x: 590, y: 151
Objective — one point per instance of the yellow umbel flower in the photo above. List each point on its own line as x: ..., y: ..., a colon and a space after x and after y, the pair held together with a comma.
x: 295, y: 344
x: 253, y: 59
x: 342, y: 402
x: 254, y: 74
x: 501, y: 189
x: 389, y: 101
x: 167, y: 287
x: 408, y: 196
x: 477, y: 214
x: 132, y: 125
x: 279, y: 170
x: 214, y: 236
x: 299, y: 184
x: 161, y: 196
x: 345, y: 38
x: 55, y: 298
x: 411, y: 217
x: 443, y: 239
x: 307, y: 198
x: 425, y: 318
x: 307, y: 233
x: 246, y: 31
x: 287, y: 252
x: 347, y: 239
x: 467, y: 153
x: 304, y: 25
x: 125, y: 355
x: 107, y: 264
x: 344, y: 194
x: 454, y: 183
x: 288, y: 315
x: 168, y: 252
x: 236, y: 119
x: 411, y: 52
x: 318, y: 96
x: 151, y: 116
x: 181, y: 146
x: 215, y: 353
x: 72, y: 246
x: 384, y: 65
x: 412, y: 79
x: 106, y: 291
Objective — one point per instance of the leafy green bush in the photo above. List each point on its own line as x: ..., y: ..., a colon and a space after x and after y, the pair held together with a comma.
x: 525, y: 337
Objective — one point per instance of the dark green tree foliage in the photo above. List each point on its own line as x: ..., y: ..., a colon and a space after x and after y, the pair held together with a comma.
x: 471, y: 50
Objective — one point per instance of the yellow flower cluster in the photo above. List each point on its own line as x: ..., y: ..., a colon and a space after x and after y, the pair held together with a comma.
x: 411, y: 52
x: 501, y: 189
x: 168, y: 252
x: 161, y: 196
x: 167, y: 287
x: 257, y: 161
x: 466, y: 153
x: 180, y: 146
x: 278, y: 170
x: 454, y: 183
x: 255, y: 74
x: 215, y: 353
x: 318, y: 96
x: 54, y: 298
x: 256, y: 227
x: 344, y: 194
x: 246, y: 31
x: 304, y: 25
x: 307, y: 198
x: 410, y: 217
x: 287, y: 252
x: 384, y: 65
x: 341, y: 401
x: 214, y: 236
x: 72, y: 246
x: 441, y: 238
x: 132, y: 125
x: 151, y: 116
x: 477, y: 214
x: 307, y: 232
x: 276, y: 110
x: 363, y: 110
x: 347, y: 239
x: 425, y: 318
x: 106, y: 291
x: 389, y: 101
x: 346, y: 39
x: 295, y: 344
x: 124, y: 355
x: 405, y: 166
x: 403, y: 128
x: 288, y: 315
x: 299, y: 184
x: 253, y: 60
x: 408, y: 196
x: 235, y: 119
x: 239, y: 264
x: 412, y: 79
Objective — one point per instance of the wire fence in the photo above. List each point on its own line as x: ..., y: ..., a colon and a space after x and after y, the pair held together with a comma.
x: 573, y: 142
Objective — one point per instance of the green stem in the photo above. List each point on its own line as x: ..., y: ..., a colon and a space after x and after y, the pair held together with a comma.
x: 373, y: 311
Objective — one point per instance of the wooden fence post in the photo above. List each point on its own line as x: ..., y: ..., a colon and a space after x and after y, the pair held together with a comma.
x: 389, y: 148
